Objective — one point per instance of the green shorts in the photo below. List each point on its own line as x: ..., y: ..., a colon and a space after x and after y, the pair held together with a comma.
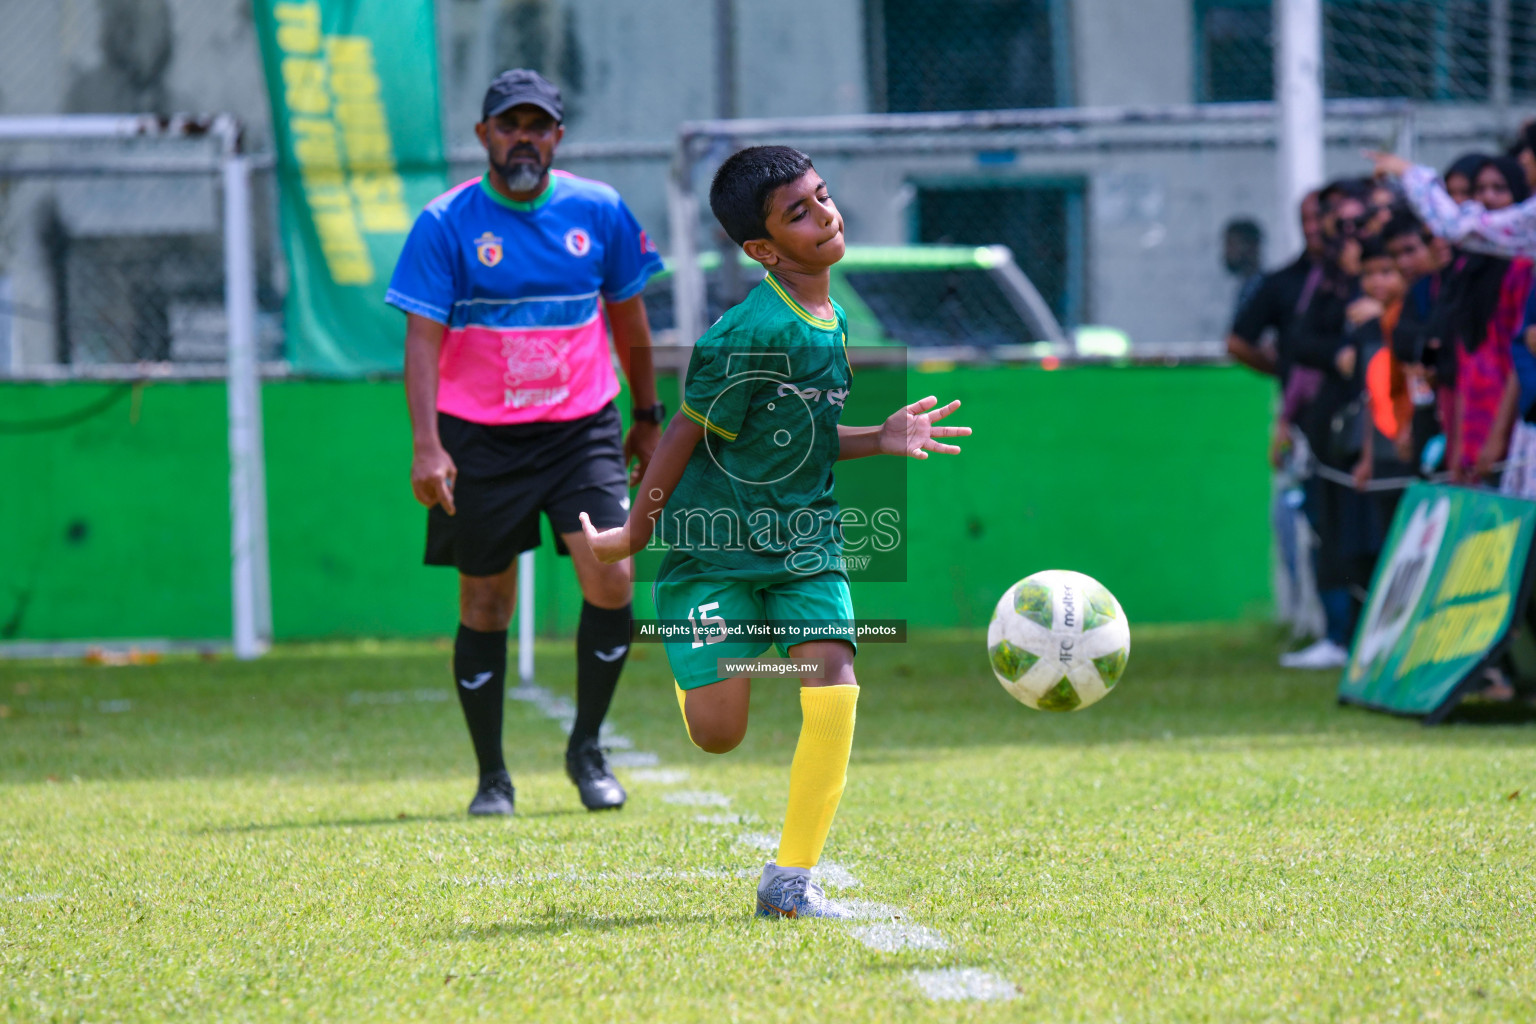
x: 694, y: 662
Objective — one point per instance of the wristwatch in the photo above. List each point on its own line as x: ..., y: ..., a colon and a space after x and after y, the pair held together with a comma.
x: 649, y: 414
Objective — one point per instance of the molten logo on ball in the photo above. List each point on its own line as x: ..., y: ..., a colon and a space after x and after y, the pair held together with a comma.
x: 1058, y: 640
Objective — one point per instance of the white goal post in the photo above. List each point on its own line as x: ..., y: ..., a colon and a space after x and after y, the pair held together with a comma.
x: 251, y: 628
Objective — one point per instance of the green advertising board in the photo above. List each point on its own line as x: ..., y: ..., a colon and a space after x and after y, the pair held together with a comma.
x: 1450, y: 582
x: 355, y: 115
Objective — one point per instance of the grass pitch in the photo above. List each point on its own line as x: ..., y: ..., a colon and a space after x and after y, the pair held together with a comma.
x: 1216, y: 841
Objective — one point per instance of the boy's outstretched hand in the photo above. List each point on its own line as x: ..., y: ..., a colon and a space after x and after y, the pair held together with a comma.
x: 609, y: 546
x: 910, y: 430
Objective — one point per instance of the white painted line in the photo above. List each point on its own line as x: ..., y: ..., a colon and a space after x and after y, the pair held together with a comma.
x: 660, y: 776
x: 617, y: 742
x: 115, y: 707
x: 697, y: 798
x: 834, y: 875
x: 959, y: 983
x: 869, y: 910
x: 633, y: 759
x: 33, y: 897
x: 725, y: 819
x: 758, y: 841
x: 589, y: 877
x: 895, y: 936
x: 548, y: 704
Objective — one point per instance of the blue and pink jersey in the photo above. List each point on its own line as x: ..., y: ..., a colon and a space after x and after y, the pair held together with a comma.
x: 517, y: 285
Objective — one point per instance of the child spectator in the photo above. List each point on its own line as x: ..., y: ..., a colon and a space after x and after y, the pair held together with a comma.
x: 1374, y: 428
x: 1385, y: 406
x: 1419, y: 263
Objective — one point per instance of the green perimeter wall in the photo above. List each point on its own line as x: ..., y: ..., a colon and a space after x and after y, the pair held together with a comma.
x: 116, y: 524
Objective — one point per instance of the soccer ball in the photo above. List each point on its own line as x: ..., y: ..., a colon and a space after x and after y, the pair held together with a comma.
x: 1058, y: 640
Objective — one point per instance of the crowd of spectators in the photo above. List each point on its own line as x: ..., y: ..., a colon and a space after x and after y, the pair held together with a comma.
x: 1403, y: 342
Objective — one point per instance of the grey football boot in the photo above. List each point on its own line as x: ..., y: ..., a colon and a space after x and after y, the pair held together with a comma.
x: 790, y: 892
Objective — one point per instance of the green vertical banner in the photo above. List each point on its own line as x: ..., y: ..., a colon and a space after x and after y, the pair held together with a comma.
x: 353, y: 87
x: 1448, y: 587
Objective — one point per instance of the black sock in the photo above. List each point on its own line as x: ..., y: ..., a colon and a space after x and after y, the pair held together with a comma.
x: 602, y: 646
x: 480, y: 671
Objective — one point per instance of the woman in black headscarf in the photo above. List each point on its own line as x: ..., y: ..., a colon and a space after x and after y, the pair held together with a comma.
x: 1459, y: 176
x: 1508, y: 231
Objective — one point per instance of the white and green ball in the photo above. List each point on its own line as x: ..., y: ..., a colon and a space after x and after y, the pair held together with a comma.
x: 1058, y: 640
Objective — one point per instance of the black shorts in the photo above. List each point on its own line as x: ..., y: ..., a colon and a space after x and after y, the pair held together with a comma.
x: 509, y: 474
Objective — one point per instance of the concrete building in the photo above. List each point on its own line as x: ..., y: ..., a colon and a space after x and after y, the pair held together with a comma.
x: 1116, y: 227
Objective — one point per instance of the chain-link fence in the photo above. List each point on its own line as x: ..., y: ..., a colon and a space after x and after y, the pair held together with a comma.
x: 112, y: 253
x: 1117, y: 216
x: 1109, y: 223
x: 1464, y: 51
x: 110, y: 248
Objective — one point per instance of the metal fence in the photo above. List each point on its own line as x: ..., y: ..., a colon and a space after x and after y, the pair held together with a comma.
x: 1463, y: 51
x: 1116, y: 214
x: 108, y: 255
x: 111, y: 246
x: 171, y: 202
x: 112, y: 250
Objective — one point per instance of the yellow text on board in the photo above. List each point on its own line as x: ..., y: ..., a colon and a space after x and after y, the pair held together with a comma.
x: 341, y: 141
x: 1479, y: 565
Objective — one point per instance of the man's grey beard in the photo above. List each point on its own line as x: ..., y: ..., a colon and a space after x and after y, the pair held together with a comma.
x: 521, y: 176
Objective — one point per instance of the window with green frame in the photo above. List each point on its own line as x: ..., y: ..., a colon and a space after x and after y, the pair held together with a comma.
x: 1413, y: 49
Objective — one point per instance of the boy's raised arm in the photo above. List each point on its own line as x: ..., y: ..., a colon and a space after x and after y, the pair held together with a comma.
x: 661, y: 476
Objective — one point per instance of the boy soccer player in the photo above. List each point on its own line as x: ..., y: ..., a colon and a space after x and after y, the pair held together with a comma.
x: 750, y: 460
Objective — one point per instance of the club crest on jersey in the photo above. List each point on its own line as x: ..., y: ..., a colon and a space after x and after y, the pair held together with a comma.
x: 578, y: 242
x: 488, y: 247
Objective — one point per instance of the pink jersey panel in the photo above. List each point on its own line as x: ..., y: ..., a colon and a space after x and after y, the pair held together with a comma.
x: 526, y: 374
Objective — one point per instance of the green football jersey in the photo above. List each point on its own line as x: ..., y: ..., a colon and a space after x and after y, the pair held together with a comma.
x: 767, y: 383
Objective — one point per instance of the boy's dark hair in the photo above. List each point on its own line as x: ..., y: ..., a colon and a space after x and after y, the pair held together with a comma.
x: 1374, y: 247
x: 1403, y: 222
x: 745, y: 183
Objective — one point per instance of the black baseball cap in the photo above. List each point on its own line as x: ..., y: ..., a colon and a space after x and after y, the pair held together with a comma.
x: 522, y: 85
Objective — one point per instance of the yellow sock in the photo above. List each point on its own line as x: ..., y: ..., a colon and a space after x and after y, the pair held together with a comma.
x: 682, y: 705
x: 818, y: 773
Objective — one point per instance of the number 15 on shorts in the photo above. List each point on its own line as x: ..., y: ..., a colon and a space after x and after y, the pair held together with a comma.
x: 714, y: 625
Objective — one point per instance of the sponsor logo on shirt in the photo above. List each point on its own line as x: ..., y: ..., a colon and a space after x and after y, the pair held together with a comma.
x: 835, y: 396
x: 535, y: 361
x: 522, y: 398
x: 488, y: 247
x: 578, y: 242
